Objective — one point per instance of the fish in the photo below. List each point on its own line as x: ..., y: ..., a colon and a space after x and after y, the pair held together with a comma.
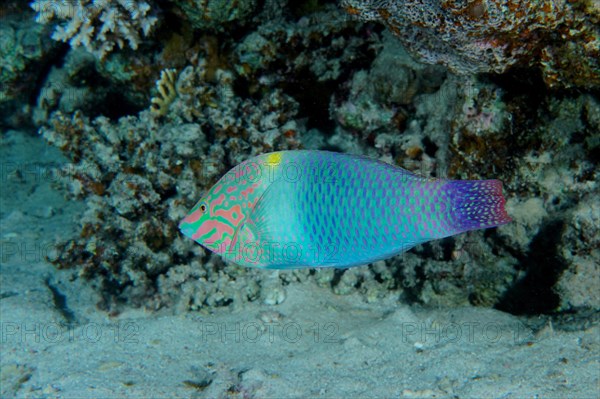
x: 308, y: 208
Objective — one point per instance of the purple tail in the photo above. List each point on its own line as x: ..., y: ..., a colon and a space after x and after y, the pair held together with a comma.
x: 477, y: 204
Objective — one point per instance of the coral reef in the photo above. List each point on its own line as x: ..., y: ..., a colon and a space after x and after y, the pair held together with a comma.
x: 141, y: 176
x: 98, y: 26
x: 323, y: 80
x: 544, y: 151
x: 323, y: 44
x: 24, y: 48
x: 144, y: 187
x: 216, y: 15
x: 61, y: 91
x: 580, y: 249
x: 551, y: 171
x: 561, y: 37
x: 82, y: 82
x: 377, y: 99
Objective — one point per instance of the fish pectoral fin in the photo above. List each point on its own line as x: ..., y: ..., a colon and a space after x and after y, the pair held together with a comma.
x: 270, y: 217
x: 258, y: 239
x: 262, y: 224
x: 236, y: 234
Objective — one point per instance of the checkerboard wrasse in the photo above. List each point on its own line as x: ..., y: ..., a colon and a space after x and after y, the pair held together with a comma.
x: 294, y: 209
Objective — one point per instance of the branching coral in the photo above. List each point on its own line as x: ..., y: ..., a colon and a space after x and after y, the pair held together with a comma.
x: 97, y: 25
x: 166, y: 92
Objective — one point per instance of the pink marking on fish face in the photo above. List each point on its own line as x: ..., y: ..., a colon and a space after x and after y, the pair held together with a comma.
x: 193, y: 217
x: 216, y: 202
x: 215, y: 235
x: 226, y: 206
x: 218, y: 244
x: 248, y: 169
x: 217, y: 226
x: 249, y: 190
x: 233, y: 215
x: 208, y: 226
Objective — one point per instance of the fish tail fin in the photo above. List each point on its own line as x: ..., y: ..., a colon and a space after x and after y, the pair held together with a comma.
x: 477, y: 204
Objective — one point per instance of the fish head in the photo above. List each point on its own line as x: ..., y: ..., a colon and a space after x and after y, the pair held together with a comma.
x: 216, y: 219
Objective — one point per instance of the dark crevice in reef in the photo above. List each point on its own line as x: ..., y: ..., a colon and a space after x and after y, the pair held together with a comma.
x: 523, y: 84
x: 300, y: 9
x: 534, y: 294
x: 411, y: 293
x: 430, y: 147
x: 115, y: 105
x: 111, y: 290
x: 301, y: 83
x: 337, y: 276
x: 313, y: 99
x: 60, y: 303
x: 56, y: 59
x: 448, y: 245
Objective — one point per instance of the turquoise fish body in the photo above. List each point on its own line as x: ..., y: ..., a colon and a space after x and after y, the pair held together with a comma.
x: 293, y: 209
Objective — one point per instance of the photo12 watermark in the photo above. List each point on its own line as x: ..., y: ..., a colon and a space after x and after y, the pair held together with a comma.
x: 29, y: 251
x: 466, y: 332
x: 55, y: 333
x: 261, y: 331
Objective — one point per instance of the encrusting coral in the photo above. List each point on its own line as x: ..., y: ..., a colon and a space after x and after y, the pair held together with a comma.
x: 560, y: 36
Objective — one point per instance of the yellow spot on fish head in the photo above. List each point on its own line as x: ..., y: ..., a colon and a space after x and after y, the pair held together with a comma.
x: 274, y: 158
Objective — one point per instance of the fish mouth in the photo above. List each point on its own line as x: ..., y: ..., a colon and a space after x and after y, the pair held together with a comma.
x: 186, y: 229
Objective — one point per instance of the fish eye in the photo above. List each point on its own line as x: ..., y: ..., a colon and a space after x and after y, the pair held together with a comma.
x: 203, y: 208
